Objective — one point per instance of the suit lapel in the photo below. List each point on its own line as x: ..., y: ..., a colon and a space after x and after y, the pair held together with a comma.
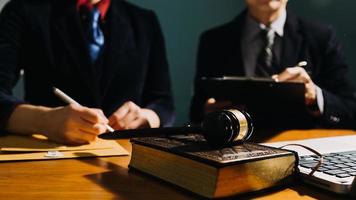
x: 68, y: 26
x: 235, y: 65
x: 118, y: 40
x: 291, y: 42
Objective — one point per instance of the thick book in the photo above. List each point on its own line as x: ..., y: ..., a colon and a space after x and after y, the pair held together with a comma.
x: 188, y: 162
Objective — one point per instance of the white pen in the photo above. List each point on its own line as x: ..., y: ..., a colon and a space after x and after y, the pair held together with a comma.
x: 302, y: 64
x: 69, y: 100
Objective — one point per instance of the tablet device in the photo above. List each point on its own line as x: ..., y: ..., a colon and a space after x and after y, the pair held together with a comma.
x: 269, y: 103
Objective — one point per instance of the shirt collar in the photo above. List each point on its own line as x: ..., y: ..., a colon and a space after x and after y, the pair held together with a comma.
x: 253, y: 27
x: 103, y: 6
x: 278, y: 24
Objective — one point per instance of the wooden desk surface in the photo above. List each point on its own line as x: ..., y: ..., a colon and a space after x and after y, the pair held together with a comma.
x: 109, y: 178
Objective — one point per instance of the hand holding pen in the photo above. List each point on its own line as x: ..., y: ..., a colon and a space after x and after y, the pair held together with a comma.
x: 75, y: 124
x: 69, y: 100
x: 296, y: 73
x: 299, y: 74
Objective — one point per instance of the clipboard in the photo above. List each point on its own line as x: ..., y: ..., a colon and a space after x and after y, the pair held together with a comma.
x: 270, y: 103
x: 250, y: 89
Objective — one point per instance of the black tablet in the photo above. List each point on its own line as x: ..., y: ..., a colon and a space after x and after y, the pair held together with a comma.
x: 268, y: 102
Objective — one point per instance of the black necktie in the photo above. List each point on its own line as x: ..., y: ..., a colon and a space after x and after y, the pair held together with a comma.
x: 264, y: 65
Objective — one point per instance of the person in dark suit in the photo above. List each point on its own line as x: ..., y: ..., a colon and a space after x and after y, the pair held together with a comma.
x: 108, y: 55
x: 266, y: 40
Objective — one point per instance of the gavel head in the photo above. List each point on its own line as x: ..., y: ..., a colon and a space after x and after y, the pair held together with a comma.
x: 227, y: 127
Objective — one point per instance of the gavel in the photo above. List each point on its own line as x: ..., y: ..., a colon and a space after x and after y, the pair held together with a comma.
x: 220, y: 129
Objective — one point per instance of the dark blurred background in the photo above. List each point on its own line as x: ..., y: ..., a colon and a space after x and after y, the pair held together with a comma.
x: 183, y: 21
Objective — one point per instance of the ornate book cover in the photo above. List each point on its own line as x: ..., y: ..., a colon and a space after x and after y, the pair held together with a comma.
x: 188, y: 162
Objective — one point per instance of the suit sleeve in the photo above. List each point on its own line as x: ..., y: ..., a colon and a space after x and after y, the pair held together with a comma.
x: 157, y: 94
x: 12, y: 29
x: 338, y: 91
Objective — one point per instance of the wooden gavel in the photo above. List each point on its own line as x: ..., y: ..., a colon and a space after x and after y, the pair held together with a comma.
x: 219, y: 128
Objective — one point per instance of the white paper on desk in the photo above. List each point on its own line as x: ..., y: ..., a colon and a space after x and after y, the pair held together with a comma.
x: 19, y: 143
x: 20, y: 148
x: 322, y: 145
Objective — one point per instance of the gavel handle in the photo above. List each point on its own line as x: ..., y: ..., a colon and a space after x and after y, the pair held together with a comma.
x: 150, y: 132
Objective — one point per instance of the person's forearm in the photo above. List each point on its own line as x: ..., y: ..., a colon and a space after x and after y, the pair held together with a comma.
x: 72, y: 124
x: 27, y: 119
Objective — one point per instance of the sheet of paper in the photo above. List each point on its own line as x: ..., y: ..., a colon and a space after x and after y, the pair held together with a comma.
x: 16, y: 156
x: 322, y: 145
x: 20, y: 148
x: 38, y: 143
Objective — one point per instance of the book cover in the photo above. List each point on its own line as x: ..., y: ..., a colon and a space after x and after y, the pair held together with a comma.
x: 189, y: 162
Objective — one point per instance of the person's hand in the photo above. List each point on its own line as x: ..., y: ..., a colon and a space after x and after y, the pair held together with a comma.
x: 74, y: 124
x: 131, y: 116
x: 212, y: 105
x: 298, y: 74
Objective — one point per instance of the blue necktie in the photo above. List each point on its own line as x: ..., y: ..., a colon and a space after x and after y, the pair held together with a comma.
x: 96, y: 36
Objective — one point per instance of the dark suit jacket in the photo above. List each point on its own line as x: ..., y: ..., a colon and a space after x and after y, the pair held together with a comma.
x: 220, y: 54
x: 46, y: 39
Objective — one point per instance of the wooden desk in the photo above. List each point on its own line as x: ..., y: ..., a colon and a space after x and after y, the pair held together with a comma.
x: 109, y: 178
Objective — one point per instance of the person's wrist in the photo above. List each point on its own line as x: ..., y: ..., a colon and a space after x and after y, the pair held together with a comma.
x: 44, y: 120
x: 313, y: 106
x: 311, y: 95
